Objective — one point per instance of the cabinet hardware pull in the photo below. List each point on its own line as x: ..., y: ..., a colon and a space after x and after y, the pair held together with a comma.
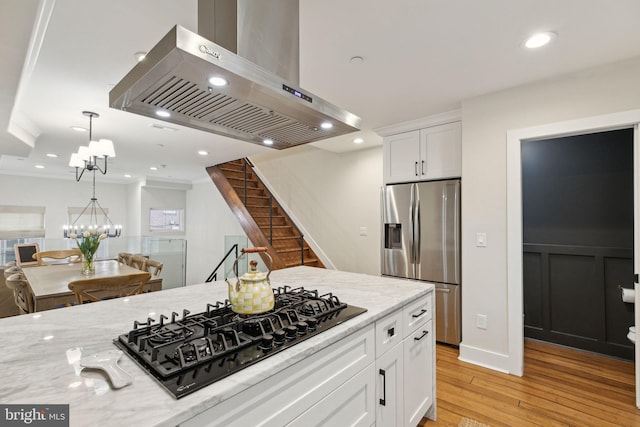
x: 423, y: 167
x: 424, y: 310
x: 445, y: 290
x: 383, y: 401
x: 424, y: 334
x: 415, y: 168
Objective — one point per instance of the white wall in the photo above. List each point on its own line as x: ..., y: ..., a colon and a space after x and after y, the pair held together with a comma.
x: 57, y: 195
x: 209, y: 220
x: 331, y: 195
x: 485, y: 122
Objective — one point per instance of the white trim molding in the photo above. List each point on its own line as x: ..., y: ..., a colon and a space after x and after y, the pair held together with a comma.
x: 514, y: 141
x: 484, y: 358
x: 425, y: 122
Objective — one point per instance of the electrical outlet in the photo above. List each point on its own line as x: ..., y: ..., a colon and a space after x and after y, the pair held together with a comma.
x: 481, y: 321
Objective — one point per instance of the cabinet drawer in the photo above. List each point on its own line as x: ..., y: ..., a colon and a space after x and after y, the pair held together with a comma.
x: 417, y: 313
x: 282, y: 397
x: 352, y: 404
x: 388, y: 332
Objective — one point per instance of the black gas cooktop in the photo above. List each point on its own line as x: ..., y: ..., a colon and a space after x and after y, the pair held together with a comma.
x: 186, y: 352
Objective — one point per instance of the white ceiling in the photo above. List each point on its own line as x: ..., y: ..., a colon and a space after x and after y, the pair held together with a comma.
x: 421, y: 57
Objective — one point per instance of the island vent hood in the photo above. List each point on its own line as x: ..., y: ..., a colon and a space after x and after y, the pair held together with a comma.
x: 255, y: 105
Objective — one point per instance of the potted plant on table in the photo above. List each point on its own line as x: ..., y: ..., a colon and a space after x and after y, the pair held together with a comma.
x: 88, y: 242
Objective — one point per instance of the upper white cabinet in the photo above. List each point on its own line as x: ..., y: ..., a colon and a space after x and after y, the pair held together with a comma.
x: 425, y: 154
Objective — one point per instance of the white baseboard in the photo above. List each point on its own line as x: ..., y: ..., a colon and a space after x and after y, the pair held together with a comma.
x: 487, y: 359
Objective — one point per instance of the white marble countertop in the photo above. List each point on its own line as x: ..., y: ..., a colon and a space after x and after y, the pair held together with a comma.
x: 40, y: 358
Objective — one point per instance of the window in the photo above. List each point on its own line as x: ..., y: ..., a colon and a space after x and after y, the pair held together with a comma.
x: 166, y: 219
x: 21, y: 222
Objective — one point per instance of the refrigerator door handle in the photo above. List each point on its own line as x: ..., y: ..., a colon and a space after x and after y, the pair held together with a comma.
x: 416, y: 229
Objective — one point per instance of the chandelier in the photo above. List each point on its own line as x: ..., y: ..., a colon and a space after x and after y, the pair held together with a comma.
x: 88, y: 158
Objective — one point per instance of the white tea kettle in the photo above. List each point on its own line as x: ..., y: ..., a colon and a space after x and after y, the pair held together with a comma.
x: 252, y: 293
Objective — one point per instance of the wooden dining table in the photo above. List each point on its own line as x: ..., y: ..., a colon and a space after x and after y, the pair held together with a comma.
x: 49, y: 283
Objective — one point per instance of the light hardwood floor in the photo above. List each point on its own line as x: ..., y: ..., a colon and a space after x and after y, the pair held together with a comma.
x: 560, y: 387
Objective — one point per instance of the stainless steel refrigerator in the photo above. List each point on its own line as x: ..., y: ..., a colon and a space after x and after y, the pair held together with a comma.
x: 421, y: 240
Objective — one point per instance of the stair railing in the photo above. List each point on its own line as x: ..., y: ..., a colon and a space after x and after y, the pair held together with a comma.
x: 214, y: 274
x: 247, y: 163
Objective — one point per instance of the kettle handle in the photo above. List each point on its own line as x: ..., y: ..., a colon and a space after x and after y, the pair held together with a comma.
x: 252, y: 250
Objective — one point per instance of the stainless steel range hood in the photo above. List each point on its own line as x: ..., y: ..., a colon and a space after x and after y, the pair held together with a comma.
x: 255, y: 105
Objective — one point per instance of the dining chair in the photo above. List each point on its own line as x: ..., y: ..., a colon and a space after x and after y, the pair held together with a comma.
x: 22, y: 295
x: 125, y: 258
x: 74, y: 255
x: 100, y: 288
x: 10, y: 271
x: 139, y: 262
x: 154, y: 267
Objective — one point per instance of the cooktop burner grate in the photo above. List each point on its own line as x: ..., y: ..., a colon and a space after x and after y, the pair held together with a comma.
x: 187, y: 352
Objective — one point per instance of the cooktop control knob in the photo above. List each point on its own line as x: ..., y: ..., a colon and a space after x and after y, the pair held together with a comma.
x: 311, y: 323
x: 291, y: 332
x: 302, y: 328
x: 279, y: 336
x: 266, y: 343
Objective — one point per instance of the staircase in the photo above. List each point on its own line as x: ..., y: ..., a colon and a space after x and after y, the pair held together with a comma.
x: 261, y: 217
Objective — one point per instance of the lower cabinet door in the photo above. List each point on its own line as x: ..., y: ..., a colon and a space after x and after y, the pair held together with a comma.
x: 352, y: 404
x: 389, y: 388
x: 418, y: 374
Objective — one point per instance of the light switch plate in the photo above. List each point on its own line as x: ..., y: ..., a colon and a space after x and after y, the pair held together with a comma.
x: 364, y: 231
x: 481, y: 240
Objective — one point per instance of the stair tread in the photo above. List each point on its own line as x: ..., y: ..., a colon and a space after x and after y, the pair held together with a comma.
x: 269, y: 217
x: 289, y: 250
x: 306, y: 261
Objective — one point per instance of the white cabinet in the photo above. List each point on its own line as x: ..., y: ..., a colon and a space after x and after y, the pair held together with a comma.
x: 285, y: 396
x: 350, y: 405
x: 390, y: 388
x: 401, y: 156
x: 381, y: 375
x: 389, y: 372
x: 425, y: 154
x: 405, y: 366
x: 418, y: 373
x: 418, y: 364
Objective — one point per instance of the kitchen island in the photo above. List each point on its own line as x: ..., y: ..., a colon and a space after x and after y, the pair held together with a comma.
x: 42, y: 352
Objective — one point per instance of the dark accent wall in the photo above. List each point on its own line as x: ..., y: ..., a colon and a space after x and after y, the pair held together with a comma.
x: 578, y: 240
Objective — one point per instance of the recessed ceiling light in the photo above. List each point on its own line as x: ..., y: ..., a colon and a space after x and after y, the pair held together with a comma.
x: 126, y: 175
x: 79, y: 128
x: 268, y: 142
x: 358, y: 141
x: 356, y: 59
x: 52, y: 155
x: 162, y: 113
x: 140, y: 56
x: 218, y: 81
x: 203, y: 153
x: 39, y: 167
x: 153, y: 168
x: 539, y: 39
x: 326, y: 125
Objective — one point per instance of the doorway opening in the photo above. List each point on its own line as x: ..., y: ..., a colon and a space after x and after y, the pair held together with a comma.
x: 626, y: 119
x: 577, y: 205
